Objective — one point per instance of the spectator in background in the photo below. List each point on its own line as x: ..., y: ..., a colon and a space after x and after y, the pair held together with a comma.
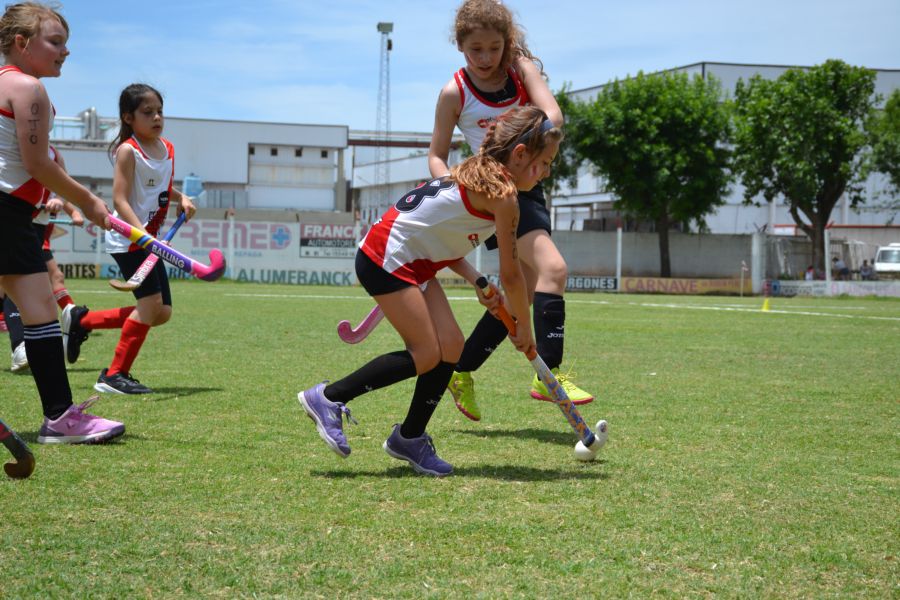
x: 866, y: 273
x: 839, y: 269
x: 810, y: 274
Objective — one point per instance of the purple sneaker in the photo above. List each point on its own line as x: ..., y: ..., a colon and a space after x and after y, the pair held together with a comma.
x: 327, y: 417
x: 418, y: 452
x: 78, y: 427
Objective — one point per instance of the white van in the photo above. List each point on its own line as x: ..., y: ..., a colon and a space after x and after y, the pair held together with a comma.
x: 887, y: 262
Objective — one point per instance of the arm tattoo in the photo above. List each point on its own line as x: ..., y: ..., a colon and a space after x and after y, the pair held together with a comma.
x: 32, y: 123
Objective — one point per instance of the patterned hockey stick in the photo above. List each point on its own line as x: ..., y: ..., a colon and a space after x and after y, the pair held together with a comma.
x: 141, y: 274
x: 210, y: 272
x: 589, y: 442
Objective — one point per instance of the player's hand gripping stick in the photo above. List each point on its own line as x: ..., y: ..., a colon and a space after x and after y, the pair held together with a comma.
x: 589, y: 442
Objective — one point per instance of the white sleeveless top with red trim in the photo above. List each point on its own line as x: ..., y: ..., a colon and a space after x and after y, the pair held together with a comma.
x: 477, y: 113
x: 150, y: 190
x: 429, y: 228
x: 14, y: 179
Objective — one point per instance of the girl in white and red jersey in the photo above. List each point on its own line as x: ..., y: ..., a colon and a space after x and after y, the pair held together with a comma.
x: 33, y: 41
x: 500, y: 74
x: 142, y: 192
x: 432, y: 227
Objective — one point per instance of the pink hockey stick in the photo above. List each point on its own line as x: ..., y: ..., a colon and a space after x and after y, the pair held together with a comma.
x: 210, y: 272
x: 354, y: 335
x: 149, y: 263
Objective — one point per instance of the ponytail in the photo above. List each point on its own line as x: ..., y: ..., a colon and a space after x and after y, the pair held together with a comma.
x: 485, y: 175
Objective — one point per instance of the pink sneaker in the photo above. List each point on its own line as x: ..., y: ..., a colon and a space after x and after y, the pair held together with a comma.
x: 78, y: 427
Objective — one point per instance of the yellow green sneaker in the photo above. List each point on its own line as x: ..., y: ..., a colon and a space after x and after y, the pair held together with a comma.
x: 462, y: 388
x: 575, y: 393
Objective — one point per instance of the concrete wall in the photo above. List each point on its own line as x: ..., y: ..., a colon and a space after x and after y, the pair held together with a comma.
x: 594, y: 253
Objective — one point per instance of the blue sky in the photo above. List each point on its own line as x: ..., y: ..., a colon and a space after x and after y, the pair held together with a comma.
x: 315, y: 61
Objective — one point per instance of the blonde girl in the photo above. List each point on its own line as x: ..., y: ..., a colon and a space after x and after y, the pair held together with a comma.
x: 500, y: 74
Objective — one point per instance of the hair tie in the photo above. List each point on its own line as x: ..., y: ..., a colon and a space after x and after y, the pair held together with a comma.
x: 545, y: 125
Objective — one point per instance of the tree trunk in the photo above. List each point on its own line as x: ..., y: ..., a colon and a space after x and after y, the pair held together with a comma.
x: 815, y: 231
x: 662, y: 230
x: 820, y: 252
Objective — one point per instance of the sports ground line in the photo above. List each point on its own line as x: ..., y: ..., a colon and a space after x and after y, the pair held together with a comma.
x: 737, y: 309
x: 728, y: 308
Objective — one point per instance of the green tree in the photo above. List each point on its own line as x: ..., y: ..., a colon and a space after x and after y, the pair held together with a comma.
x: 660, y: 142
x: 885, y: 139
x: 564, y: 170
x: 802, y: 136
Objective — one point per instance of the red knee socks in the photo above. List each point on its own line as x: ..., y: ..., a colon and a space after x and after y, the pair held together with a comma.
x: 133, y: 335
x: 111, y: 318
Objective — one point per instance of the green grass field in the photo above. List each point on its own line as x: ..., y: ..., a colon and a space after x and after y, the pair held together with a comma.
x: 751, y: 454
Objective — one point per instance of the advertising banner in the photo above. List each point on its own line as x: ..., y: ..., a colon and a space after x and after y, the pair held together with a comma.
x: 259, y: 251
x: 667, y: 285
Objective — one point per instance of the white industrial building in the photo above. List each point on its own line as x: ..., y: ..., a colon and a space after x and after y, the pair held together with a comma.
x: 241, y: 164
x: 263, y: 166
x: 589, y: 206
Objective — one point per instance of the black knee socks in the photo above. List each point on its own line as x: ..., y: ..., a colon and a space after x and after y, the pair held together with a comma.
x: 380, y: 372
x: 430, y: 387
x: 483, y: 340
x: 13, y: 323
x: 549, y: 327
x: 43, y: 344
x: 549, y: 333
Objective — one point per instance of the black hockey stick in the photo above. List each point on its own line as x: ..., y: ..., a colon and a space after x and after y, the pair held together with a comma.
x: 23, y: 466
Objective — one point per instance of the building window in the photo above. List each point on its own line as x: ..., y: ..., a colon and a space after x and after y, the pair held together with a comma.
x: 252, y: 150
x: 298, y: 152
x: 273, y: 151
x: 324, y: 153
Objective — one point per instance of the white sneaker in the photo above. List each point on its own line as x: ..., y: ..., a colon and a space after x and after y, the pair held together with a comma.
x: 19, y: 359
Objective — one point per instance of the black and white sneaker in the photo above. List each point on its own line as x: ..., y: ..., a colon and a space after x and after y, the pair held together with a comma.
x: 120, y: 383
x: 73, y: 333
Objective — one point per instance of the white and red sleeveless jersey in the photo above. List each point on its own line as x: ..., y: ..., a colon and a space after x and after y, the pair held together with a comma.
x: 427, y: 229
x: 477, y: 113
x: 14, y: 179
x: 150, y: 190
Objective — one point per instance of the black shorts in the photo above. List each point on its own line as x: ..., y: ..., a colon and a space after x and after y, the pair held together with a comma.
x: 20, y: 245
x: 157, y: 282
x: 533, y: 215
x: 375, y: 280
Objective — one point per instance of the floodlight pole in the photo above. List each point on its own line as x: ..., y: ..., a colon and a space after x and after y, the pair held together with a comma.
x: 383, y: 124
